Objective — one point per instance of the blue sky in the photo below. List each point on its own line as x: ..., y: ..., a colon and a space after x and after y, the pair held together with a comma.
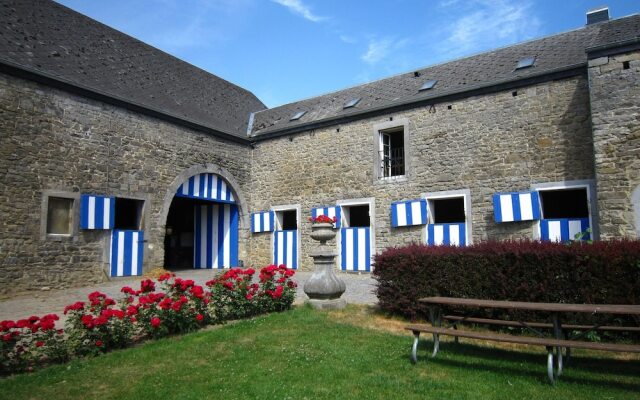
x: 287, y: 50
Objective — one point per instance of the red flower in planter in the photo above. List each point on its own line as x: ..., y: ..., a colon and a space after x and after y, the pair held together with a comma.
x: 322, y: 219
x: 155, y: 322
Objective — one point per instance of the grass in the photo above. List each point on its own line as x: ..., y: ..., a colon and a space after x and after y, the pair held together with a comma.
x: 306, y: 354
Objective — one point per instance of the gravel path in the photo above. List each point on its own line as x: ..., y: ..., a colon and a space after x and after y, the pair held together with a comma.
x: 360, y: 290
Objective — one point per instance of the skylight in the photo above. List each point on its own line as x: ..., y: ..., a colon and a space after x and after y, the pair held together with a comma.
x: 298, y: 115
x: 428, y: 85
x: 352, y: 103
x: 526, y: 62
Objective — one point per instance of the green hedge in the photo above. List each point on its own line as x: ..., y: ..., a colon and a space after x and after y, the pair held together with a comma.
x: 602, y: 272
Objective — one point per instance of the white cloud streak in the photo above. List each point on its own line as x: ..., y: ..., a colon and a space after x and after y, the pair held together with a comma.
x: 299, y: 8
x: 487, y: 22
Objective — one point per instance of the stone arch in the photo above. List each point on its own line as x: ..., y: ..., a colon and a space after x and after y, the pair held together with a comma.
x: 635, y: 203
x: 203, y: 169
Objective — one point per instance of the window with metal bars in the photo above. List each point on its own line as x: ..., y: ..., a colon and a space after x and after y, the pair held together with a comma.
x: 392, y: 160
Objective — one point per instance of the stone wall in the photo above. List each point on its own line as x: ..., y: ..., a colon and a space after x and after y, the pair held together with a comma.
x: 500, y: 142
x: 615, y: 108
x: 52, y: 141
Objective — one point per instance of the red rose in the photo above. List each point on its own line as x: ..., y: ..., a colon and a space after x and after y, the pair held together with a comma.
x: 39, y: 343
x: 155, y: 322
x: 7, y: 337
x: 99, y: 343
x: 199, y: 317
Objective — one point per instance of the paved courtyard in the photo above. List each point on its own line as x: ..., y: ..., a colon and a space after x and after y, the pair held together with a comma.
x: 360, y: 290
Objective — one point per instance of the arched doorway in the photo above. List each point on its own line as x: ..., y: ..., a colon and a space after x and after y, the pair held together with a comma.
x: 202, y: 225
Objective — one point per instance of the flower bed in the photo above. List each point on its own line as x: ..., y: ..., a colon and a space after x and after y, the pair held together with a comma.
x: 170, y: 305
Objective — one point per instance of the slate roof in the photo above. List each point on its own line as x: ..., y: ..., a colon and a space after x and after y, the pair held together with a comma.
x: 46, y: 37
x: 552, y: 53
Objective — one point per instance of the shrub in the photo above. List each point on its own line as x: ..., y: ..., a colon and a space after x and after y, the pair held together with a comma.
x: 602, y: 272
x: 26, y: 342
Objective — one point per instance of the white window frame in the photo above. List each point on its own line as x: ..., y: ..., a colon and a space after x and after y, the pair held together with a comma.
x: 588, y: 184
x: 277, y: 226
x: 449, y: 194
x: 371, y: 202
x: 379, y: 131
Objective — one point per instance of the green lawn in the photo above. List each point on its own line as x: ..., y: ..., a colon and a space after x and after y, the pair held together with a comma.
x: 308, y: 354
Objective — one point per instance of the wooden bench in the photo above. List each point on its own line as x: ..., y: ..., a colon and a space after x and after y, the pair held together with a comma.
x: 542, y: 325
x: 549, y: 343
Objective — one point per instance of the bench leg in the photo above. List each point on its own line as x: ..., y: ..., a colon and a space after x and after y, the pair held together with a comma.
x: 550, y: 366
x: 436, y: 344
x: 414, y: 348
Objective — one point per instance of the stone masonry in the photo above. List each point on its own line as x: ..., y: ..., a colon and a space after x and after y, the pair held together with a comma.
x: 53, y: 141
x: 615, y: 112
x: 488, y: 144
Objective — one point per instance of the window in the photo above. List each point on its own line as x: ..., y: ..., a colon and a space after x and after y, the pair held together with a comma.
x: 287, y: 220
x: 128, y: 214
x: 566, y: 203
x: 59, y: 216
x: 392, y: 157
x: 357, y: 216
x: 449, y: 210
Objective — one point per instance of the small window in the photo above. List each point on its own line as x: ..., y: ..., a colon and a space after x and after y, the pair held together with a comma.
x: 298, y: 115
x: 128, y: 214
x: 392, y: 154
x: 564, y: 203
x: 356, y: 216
x: 352, y: 103
x: 446, y: 211
x: 428, y: 85
x: 59, y: 216
x: 287, y: 220
x: 526, y: 62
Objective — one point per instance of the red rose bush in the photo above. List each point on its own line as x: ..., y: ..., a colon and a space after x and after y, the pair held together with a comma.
x: 169, y: 306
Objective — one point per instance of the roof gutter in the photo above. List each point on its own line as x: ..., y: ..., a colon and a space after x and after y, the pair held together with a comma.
x: 28, y: 73
x: 553, y: 74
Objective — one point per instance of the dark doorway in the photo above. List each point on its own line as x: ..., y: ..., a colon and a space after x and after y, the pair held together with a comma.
x: 128, y: 214
x: 446, y: 211
x: 288, y: 220
x: 358, y: 216
x: 565, y: 203
x: 178, y: 241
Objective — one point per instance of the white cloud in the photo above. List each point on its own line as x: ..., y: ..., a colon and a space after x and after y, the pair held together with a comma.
x: 488, y: 23
x: 297, y: 7
x: 380, y: 49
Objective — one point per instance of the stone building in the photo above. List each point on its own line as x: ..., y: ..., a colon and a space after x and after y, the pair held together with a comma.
x: 116, y: 157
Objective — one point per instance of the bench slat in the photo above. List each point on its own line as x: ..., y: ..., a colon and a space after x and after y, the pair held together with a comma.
x: 498, y: 337
x: 517, y: 324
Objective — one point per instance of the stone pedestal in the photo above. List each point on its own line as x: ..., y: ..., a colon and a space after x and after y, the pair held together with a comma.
x: 324, y: 288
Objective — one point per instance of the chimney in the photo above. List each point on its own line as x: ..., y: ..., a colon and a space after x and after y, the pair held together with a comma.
x: 598, y: 14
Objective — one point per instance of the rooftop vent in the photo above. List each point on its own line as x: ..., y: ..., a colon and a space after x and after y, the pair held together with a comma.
x: 526, y: 62
x: 298, y: 115
x: 428, y: 85
x: 598, y: 14
x: 352, y: 103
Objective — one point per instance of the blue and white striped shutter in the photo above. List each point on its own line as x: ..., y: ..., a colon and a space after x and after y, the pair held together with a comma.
x: 563, y: 229
x: 453, y: 234
x: 215, y: 236
x: 206, y: 187
x: 127, y: 252
x: 285, y: 248
x: 355, y: 252
x: 263, y: 221
x: 330, y: 211
x: 508, y: 207
x: 97, y: 212
x: 406, y: 213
